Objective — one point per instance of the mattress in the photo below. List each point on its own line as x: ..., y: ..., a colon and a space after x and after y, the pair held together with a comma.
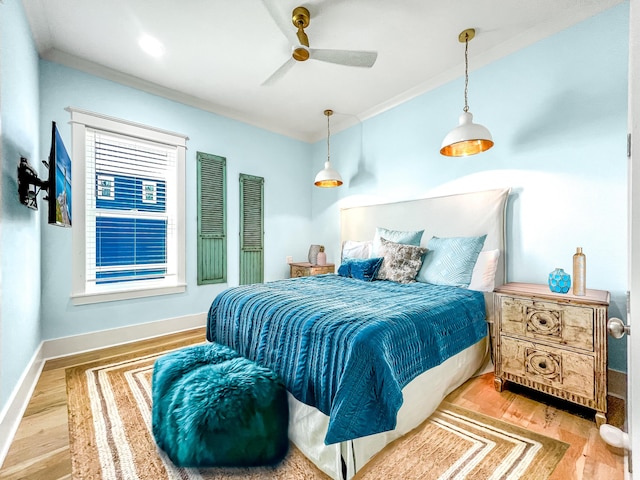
x: 308, y: 426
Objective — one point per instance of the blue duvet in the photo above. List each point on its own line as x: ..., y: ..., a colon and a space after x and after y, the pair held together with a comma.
x: 345, y: 346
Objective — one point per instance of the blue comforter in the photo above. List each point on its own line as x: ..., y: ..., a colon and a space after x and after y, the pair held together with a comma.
x: 345, y: 346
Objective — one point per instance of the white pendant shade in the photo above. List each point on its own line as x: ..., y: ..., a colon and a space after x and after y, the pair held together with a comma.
x: 468, y: 138
x: 328, y: 177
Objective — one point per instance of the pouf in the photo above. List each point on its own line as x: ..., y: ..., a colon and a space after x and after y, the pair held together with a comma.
x: 213, y: 407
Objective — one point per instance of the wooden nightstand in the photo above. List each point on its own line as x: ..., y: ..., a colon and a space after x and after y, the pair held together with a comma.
x: 554, y: 343
x: 305, y: 269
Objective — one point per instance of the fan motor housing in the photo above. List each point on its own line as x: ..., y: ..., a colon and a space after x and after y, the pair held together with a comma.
x: 300, y: 17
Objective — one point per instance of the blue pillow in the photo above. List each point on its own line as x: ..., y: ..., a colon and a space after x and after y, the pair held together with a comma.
x: 450, y: 261
x: 364, y: 269
x: 395, y: 236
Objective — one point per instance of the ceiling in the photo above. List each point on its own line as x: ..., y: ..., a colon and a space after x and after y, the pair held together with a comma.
x: 218, y: 53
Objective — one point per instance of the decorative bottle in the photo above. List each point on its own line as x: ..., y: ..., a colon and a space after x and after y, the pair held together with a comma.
x: 579, y: 272
x: 322, y: 256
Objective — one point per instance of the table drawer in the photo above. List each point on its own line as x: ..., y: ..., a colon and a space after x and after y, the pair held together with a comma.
x: 567, y: 371
x: 299, y: 271
x: 305, y: 270
x: 570, y: 325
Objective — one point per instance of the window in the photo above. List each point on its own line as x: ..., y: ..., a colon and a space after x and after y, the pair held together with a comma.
x: 130, y: 240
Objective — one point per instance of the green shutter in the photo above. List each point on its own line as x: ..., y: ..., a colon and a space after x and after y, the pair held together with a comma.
x: 251, y: 229
x: 212, y: 219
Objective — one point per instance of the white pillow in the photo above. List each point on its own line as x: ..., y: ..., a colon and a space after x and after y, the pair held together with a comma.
x: 353, y: 249
x: 483, y: 278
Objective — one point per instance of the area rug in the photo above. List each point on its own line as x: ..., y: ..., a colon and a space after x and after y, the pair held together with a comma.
x: 110, y: 438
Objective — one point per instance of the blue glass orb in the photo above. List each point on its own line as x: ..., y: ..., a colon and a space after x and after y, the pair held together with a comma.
x: 559, y: 281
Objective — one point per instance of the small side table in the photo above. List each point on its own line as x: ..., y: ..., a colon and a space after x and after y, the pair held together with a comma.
x: 306, y: 269
x: 554, y: 343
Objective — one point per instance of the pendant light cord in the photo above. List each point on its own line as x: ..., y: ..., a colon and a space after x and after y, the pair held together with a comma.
x: 466, y: 72
x: 328, y: 135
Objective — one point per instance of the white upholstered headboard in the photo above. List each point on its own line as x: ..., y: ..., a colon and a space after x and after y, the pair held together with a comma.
x: 459, y: 215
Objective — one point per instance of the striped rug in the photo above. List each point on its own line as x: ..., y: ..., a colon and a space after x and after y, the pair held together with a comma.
x: 110, y: 438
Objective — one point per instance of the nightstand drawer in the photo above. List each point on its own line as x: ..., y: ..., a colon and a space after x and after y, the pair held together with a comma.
x: 570, y: 372
x: 297, y: 271
x: 569, y: 325
x: 307, y: 269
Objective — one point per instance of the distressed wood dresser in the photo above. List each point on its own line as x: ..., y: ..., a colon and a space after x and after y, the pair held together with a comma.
x: 554, y: 343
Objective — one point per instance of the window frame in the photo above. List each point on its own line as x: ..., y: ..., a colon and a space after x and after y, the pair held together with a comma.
x: 81, y: 292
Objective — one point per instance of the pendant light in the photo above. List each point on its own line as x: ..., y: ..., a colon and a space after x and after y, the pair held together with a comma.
x: 468, y: 138
x: 328, y: 177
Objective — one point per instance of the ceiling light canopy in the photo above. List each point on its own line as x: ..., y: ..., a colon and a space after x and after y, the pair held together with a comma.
x: 151, y: 46
x: 328, y: 177
x: 467, y: 138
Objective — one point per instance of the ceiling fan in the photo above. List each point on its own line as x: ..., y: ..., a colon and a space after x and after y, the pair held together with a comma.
x: 301, y: 50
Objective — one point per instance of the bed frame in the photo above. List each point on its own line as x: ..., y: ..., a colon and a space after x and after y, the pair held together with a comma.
x: 465, y: 214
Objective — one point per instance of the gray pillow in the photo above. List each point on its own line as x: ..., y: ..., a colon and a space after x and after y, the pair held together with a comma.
x: 396, y: 236
x: 401, y: 262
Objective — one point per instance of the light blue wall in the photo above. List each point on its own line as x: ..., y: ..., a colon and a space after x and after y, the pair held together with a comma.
x: 557, y: 111
x: 283, y: 163
x: 20, y: 232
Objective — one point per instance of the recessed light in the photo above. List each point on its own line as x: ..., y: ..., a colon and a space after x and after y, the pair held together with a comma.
x: 151, y: 45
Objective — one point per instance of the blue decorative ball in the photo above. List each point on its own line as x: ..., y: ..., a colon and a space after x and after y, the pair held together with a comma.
x: 559, y: 281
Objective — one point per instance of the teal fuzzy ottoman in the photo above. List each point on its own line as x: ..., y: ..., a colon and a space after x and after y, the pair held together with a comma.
x: 212, y: 407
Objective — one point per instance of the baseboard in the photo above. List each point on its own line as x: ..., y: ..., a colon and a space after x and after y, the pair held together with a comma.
x: 62, y: 347
x: 18, y: 400
x: 12, y: 414
x: 617, y: 384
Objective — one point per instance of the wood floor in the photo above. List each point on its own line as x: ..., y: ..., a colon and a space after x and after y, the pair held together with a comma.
x: 40, y: 449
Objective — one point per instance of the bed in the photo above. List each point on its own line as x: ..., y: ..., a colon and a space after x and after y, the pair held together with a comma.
x: 366, y: 362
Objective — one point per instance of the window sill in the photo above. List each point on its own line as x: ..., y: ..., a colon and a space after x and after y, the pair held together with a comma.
x: 112, y: 296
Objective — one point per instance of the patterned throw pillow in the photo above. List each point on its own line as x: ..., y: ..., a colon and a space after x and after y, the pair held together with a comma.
x: 450, y: 261
x: 360, y: 269
x: 401, y: 262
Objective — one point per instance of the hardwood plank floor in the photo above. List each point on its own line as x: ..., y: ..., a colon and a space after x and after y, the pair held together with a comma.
x: 40, y: 449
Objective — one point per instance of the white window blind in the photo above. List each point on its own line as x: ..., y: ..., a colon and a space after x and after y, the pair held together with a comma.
x: 129, y: 195
x: 130, y: 234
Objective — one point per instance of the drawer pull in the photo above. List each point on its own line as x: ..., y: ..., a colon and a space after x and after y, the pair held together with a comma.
x: 543, y: 364
x: 544, y: 322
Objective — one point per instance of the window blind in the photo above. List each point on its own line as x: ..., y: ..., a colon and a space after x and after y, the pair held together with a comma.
x: 130, y: 211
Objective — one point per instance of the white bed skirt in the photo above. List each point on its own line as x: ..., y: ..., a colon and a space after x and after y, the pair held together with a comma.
x: 421, y: 397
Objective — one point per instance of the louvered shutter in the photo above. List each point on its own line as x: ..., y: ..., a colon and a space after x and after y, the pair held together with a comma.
x: 251, y: 229
x: 212, y: 225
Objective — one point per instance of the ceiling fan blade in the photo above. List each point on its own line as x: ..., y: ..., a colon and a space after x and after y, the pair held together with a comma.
x: 283, y: 23
x: 279, y: 73
x: 352, y: 58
